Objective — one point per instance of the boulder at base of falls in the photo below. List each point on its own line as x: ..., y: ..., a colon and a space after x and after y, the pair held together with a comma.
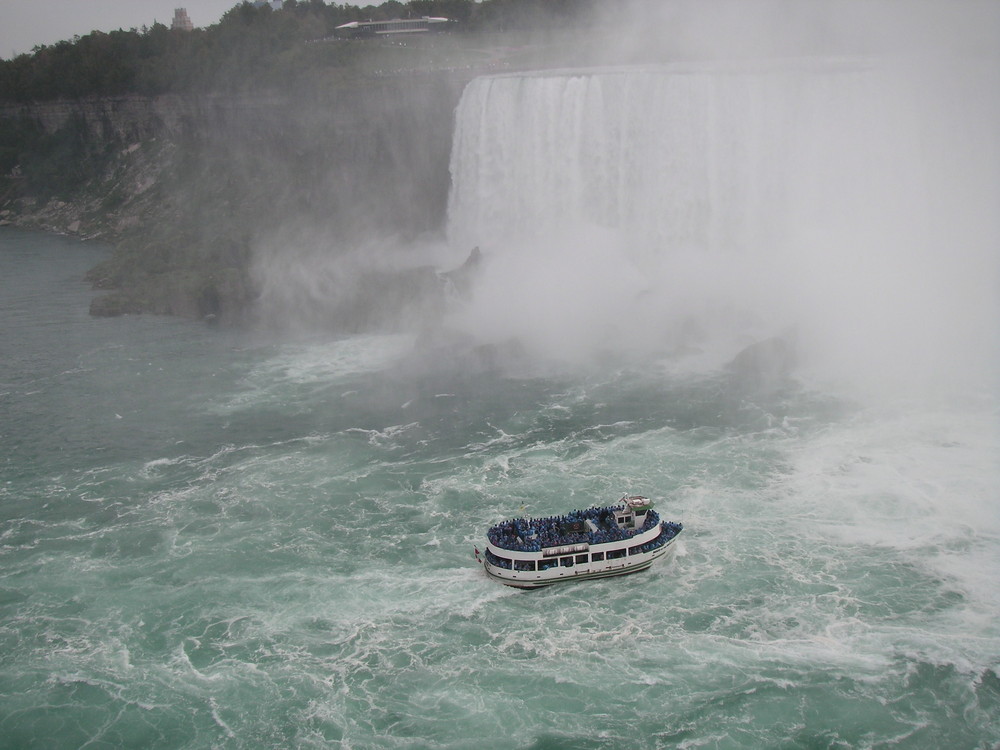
x: 764, y: 366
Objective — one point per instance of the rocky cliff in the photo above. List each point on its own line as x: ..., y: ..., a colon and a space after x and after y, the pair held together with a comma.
x: 183, y: 185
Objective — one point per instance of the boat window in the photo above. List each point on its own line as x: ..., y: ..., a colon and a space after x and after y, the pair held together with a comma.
x: 580, y: 559
x: 524, y: 565
x: 546, y: 564
x: 597, y: 557
x: 635, y: 550
x: 500, y: 562
x: 566, y: 562
x: 615, y: 554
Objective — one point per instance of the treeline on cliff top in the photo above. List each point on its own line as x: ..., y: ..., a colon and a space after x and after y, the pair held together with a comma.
x: 249, y: 47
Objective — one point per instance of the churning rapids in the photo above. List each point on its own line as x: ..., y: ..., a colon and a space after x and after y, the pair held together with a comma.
x: 212, y: 539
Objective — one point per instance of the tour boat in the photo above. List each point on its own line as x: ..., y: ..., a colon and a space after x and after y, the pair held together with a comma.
x: 594, y: 543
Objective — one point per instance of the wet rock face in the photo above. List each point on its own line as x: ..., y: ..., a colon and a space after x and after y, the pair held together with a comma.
x: 764, y: 366
x: 176, y: 178
x: 222, y: 296
x: 133, y: 118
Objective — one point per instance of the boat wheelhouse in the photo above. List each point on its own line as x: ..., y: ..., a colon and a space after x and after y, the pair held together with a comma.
x: 594, y: 543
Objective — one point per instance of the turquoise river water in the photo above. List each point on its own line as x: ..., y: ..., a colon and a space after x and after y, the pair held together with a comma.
x: 210, y: 539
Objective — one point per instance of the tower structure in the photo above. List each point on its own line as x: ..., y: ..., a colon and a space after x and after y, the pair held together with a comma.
x: 181, y: 20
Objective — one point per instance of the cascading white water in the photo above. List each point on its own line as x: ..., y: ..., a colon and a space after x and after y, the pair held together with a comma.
x: 673, y: 158
x: 623, y: 206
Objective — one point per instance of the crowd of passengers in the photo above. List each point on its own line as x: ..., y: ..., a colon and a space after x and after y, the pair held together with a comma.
x: 670, y: 529
x: 534, y: 534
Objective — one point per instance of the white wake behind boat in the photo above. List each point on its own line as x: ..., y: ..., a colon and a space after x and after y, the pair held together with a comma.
x: 594, y: 543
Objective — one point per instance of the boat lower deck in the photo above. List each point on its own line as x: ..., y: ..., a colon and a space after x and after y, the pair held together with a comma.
x: 604, y: 568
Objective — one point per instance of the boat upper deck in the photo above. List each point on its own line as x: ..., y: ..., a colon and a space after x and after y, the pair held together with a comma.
x: 591, y: 526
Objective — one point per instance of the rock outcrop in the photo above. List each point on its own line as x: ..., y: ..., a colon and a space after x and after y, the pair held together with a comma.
x: 183, y: 185
x: 764, y: 366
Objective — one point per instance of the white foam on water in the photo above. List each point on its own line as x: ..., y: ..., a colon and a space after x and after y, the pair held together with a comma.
x: 350, y: 356
x: 902, y: 476
x: 318, y: 364
x: 913, y: 489
x: 386, y: 437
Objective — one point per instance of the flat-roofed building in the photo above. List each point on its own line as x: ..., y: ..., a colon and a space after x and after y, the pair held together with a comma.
x: 395, y: 26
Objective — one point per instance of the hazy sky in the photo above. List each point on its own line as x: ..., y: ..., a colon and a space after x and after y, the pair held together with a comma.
x: 26, y: 23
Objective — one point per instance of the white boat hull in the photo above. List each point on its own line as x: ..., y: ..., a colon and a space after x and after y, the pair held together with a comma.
x: 588, y: 571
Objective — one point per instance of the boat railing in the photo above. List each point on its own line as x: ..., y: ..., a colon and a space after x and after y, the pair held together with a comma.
x: 536, y: 534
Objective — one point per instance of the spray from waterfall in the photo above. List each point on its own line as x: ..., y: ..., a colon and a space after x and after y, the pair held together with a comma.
x: 692, y: 208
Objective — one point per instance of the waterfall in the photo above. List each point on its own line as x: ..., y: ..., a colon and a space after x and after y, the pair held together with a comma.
x: 671, y: 157
x: 750, y: 196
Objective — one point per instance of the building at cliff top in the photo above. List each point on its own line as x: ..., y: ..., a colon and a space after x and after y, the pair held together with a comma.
x: 181, y: 20
x: 395, y: 26
x: 275, y: 4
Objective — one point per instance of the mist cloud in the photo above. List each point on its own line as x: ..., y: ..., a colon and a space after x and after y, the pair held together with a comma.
x: 846, y: 193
